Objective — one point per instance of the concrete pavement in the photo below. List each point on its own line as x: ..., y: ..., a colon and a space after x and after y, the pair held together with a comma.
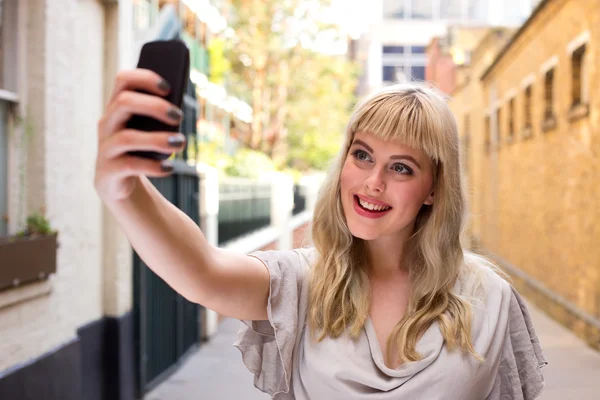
x: 216, y: 371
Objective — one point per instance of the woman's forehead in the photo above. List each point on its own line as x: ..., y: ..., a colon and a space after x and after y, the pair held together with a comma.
x: 369, y: 137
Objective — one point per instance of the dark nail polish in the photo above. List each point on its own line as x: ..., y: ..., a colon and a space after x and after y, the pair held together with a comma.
x: 164, y: 85
x: 176, y: 140
x: 175, y: 114
x: 166, y: 166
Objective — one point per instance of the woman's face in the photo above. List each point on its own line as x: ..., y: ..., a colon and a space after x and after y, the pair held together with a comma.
x: 383, y: 186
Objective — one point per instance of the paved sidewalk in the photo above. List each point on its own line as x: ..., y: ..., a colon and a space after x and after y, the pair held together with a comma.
x: 216, y: 371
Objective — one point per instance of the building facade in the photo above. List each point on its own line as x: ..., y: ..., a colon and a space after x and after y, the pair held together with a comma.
x: 72, y: 332
x: 533, y: 161
x: 408, y: 26
x: 59, y: 62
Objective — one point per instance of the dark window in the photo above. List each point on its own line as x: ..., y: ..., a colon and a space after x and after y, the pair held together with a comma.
x: 417, y: 49
x: 418, y: 73
x: 389, y: 73
x: 498, y: 126
x: 577, y: 75
x: 527, y: 106
x: 393, y: 49
x: 549, y: 94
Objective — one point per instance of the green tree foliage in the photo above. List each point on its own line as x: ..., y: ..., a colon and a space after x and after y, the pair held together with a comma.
x: 300, y: 97
x: 219, y: 64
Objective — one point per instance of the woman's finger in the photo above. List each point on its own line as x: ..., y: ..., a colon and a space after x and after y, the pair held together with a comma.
x: 126, y: 166
x: 139, y: 79
x: 129, y: 103
x: 133, y: 140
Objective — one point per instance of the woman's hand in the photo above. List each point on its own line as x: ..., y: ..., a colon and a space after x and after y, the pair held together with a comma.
x: 117, y: 172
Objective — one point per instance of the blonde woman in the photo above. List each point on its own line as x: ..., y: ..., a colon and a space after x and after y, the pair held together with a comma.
x: 387, y: 304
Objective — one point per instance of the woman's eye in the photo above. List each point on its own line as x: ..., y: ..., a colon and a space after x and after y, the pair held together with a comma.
x: 402, y: 169
x: 361, y: 155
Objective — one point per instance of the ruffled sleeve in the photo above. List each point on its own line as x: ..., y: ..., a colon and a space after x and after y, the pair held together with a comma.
x: 267, y: 346
x: 520, y: 374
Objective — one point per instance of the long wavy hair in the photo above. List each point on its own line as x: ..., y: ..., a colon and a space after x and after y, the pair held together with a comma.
x: 416, y: 115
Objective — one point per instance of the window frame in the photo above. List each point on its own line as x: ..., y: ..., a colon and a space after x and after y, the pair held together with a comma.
x: 9, y: 98
x: 579, y: 102
x: 510, y: 137
x: 528, y: 111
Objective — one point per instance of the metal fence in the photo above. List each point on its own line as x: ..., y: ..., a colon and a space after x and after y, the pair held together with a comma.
x: 244, y: 206
x: 167, y: 326
x: 299, y: 200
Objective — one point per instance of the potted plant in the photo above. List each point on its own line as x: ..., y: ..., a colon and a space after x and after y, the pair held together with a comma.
x: 29, y: 255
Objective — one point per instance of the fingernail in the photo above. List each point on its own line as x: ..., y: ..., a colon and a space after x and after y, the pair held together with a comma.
x: 176, y: 140
x: 175, y: 114
x: 164, y: 85
x: 166, y: 166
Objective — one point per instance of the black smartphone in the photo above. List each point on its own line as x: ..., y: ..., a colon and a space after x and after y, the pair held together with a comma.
x: 171, y: 60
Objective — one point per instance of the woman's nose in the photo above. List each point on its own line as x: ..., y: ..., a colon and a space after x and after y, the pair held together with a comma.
x: 375, y: 182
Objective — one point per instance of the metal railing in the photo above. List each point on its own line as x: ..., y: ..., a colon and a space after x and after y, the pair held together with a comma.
x: 299, y: 200
x: 244, y: 206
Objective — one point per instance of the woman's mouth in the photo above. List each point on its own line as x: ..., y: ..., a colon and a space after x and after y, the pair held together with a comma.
x: 369, y: 209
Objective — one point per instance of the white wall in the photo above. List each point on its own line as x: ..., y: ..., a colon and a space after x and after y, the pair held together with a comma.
x: 65, y: 86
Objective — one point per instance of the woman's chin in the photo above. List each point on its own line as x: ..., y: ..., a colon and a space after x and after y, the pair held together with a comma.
x: 364, y: 234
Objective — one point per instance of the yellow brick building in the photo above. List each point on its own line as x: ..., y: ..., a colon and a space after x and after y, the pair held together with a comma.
x: 532, y: 120
x: 467, y: 101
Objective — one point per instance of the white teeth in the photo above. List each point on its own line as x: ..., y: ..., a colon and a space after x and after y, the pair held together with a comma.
x: 372, y: 207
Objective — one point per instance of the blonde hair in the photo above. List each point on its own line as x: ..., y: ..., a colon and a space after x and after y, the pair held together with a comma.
x: 339, y: 300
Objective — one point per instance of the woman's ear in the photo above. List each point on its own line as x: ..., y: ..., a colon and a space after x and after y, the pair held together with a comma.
x: 429, y: 200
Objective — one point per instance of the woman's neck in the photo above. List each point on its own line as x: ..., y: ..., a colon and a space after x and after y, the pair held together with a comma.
x: 385, y: 258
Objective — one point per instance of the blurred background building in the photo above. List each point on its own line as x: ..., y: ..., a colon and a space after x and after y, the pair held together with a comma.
x: 394, y: 47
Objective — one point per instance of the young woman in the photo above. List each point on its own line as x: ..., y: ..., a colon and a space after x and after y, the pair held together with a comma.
x: 387, y: 304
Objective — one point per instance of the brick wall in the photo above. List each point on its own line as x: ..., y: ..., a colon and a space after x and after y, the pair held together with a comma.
x: 535, y: 200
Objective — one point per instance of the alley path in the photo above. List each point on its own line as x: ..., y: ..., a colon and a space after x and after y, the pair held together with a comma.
x: 216, y: 371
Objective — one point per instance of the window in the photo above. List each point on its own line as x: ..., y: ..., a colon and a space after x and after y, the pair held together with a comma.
x: 3, y: 168
x: 549, y: 94
x: 527, y: 107
x: 417, y: 49
x: 393, y: 49
x: 422, y: 9
x: 389, y: 73
x: 498, y: 133
x: 511, y: 120
x: 394, y: 9
x: 418, y: 73
x: 578, y: 76
x: 8, y: 97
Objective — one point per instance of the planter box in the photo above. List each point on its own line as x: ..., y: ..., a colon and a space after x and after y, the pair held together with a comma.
x: 24, y: 260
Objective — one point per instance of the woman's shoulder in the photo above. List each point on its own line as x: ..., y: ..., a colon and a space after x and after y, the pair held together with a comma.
x: 480, y: 274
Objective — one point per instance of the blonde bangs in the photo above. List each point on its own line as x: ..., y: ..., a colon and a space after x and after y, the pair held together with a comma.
x: 410, y: 117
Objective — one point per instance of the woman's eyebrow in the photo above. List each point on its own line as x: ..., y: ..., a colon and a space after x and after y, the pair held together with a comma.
x: 363, y: 144
x: 395, y: 157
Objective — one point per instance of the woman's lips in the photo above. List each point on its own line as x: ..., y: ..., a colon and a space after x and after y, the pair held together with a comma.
x: 360, y: 210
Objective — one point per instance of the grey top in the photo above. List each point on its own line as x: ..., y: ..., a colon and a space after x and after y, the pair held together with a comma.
x: 288, y: 364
